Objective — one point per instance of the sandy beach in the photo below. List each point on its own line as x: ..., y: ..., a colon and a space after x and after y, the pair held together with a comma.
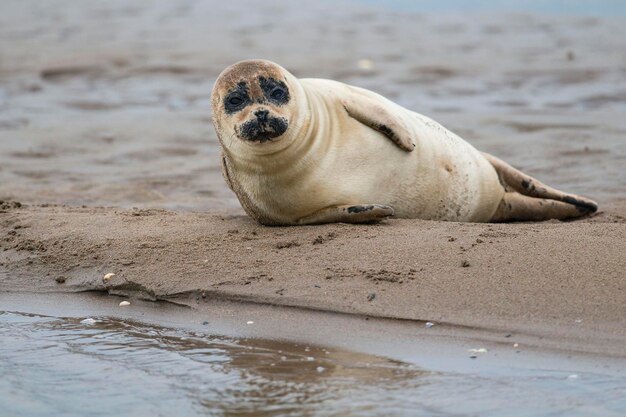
x: 107, y: 145
x: 561, y: 283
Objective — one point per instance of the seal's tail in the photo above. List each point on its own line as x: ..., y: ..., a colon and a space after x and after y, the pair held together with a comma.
x: 545, y: 206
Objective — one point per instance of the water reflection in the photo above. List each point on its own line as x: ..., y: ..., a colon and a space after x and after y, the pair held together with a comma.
x: 54, y: 366
x: 114, y: 366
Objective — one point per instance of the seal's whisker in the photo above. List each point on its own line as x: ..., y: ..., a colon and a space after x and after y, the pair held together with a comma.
x: 232, y: 137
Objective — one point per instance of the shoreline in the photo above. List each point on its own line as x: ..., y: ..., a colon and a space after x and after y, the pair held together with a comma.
x: 441, y: 348
x: 413, y: 271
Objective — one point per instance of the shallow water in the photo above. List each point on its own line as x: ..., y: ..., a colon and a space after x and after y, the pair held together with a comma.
x: 67, y: 367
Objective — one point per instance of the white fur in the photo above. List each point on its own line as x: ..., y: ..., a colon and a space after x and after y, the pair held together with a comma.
x: 328, y: 158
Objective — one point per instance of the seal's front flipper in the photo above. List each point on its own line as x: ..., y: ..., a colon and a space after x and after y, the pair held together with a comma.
x: 376, y: 115
x: 367, y: 213
x: 513, y: 179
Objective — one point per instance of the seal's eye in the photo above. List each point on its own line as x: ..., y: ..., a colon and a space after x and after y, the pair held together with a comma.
x: 277, y: 93
x: 235, y: 100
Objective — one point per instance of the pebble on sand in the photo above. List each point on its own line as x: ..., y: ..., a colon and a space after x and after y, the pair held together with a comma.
x: 124, y: 304
x: 108, y: 276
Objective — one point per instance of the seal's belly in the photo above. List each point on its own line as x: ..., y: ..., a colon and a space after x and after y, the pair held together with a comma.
x: 444, y: 178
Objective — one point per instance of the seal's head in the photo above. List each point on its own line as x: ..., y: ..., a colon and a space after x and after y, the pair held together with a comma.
x: 254, y: 102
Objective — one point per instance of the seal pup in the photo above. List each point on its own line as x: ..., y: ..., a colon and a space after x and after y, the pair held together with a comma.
x: 313, y: 151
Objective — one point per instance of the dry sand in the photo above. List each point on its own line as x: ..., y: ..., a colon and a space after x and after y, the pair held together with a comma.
x: 108, y: 105
x: 562, y: 281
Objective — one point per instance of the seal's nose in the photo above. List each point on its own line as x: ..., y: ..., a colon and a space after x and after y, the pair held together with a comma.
x: 261, y: 115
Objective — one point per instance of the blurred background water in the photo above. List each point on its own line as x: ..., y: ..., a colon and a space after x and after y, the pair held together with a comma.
x: 109, y: 103
x: 605, y: 8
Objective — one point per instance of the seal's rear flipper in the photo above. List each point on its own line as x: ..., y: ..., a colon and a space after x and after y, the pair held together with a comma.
x: 517, y: 207
x: 513, y: 179
x: 376, y: 115
x: 365, y: 213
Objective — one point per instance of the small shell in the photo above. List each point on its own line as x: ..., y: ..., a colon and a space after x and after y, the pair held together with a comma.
x: 124, y: 304
x: 108, y: 276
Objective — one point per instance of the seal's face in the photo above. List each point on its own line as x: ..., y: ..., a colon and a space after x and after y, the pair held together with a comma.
x: 256, y: 104
x: 252, y: 101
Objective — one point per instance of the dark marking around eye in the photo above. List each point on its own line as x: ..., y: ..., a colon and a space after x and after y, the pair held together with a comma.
x: 237, y: 98
x: 275, y: 90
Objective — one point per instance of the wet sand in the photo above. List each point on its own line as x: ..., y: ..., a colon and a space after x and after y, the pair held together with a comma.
x: 107, y: 106
x: 70, y: 348
x: 440, y: 348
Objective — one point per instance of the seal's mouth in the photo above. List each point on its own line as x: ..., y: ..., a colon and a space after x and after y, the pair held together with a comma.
x: 263, y: 128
